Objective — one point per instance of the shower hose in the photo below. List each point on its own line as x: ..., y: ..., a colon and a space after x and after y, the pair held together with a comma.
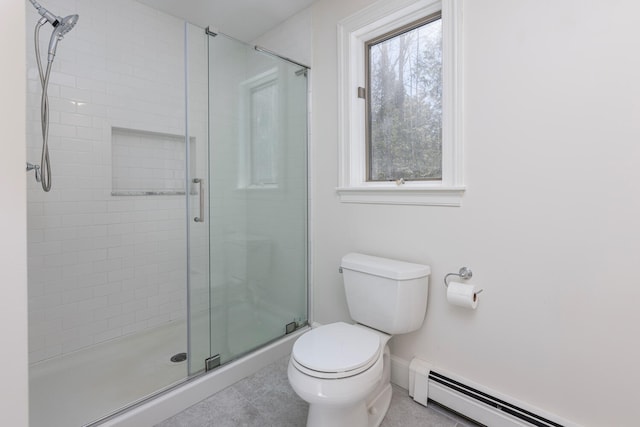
x: 45, y: 164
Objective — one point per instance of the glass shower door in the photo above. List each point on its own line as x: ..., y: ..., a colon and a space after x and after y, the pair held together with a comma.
x: 197, y: 86
x: 257, y: 197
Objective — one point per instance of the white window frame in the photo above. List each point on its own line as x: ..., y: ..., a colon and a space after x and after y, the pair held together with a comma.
x: 380, y: 18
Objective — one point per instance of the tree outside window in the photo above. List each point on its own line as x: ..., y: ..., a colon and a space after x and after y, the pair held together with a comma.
x: 404, y: 103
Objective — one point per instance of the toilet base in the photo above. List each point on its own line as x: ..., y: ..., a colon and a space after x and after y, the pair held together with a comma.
x: 379, y: 406
x: 360, y: 415
x: 379, y: 400
x: 335, y: 416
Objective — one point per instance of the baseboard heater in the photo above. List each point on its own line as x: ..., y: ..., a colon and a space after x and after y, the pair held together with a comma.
x: 492, y: 401
x: 480, y: 406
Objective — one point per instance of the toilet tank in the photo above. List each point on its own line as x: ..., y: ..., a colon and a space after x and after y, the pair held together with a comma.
x: 385, y: 294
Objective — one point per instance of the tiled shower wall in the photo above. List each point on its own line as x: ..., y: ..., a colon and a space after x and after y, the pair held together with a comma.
x: 103, y: 266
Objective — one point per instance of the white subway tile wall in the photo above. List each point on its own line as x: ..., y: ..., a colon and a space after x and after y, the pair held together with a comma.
x: 103, y: 266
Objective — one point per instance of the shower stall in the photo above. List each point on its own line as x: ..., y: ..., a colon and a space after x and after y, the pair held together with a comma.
x: 173, y: 240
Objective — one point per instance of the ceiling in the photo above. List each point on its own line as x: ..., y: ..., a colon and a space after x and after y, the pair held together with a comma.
x: 242, y: 19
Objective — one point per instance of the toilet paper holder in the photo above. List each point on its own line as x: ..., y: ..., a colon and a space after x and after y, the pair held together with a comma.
x: 464, y: 273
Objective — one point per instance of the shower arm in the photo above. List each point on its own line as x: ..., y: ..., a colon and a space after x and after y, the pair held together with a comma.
x: 54, y: 20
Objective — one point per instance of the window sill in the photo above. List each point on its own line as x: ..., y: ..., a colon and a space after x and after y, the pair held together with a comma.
x: 396, y: 195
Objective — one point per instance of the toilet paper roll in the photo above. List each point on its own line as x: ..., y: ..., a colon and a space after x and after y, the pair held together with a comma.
x: 463, y: 295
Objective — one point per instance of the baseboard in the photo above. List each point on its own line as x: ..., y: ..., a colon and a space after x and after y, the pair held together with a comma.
x: 400, y: 372
x: 476, y: 401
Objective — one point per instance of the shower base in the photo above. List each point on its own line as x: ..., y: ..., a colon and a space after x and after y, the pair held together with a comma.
x: 83, y: 386
x: 199, y: 388
x: 87, y: 385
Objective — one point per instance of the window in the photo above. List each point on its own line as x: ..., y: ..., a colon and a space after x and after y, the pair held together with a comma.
x: 404, y: 103
x: 260, y: 126
x: 400, y: 104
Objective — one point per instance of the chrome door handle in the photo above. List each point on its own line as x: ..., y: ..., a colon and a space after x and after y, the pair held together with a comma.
x: 201, y: 217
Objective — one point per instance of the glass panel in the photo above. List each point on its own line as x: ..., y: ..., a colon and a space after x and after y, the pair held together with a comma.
x: 405, y: 105
x: 198, y: 257
x: 258, y: 196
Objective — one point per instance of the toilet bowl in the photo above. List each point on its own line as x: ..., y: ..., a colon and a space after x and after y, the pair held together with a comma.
x: 344, y: 389
x: 343, y: 370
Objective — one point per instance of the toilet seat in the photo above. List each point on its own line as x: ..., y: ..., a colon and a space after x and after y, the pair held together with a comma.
x: 337, y: 350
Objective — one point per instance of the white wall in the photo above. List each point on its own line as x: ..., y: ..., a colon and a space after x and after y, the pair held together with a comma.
x: 292, y: 38
x: 549, y: 222
x: 103, y: 266
x: 13, y: 221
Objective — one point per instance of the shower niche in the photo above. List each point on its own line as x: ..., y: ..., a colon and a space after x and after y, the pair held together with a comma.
x: 145, y: 163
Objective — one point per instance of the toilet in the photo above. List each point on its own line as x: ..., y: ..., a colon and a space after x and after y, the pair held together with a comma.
x: 343, y: 370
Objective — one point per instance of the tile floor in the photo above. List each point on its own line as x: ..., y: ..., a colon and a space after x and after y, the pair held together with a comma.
x: 267, y: 399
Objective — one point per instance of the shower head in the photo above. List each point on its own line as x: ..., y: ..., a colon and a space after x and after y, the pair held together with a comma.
x: 64, y: 26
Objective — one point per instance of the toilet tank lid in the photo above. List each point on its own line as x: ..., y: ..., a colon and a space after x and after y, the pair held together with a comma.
x: 384, y: 267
